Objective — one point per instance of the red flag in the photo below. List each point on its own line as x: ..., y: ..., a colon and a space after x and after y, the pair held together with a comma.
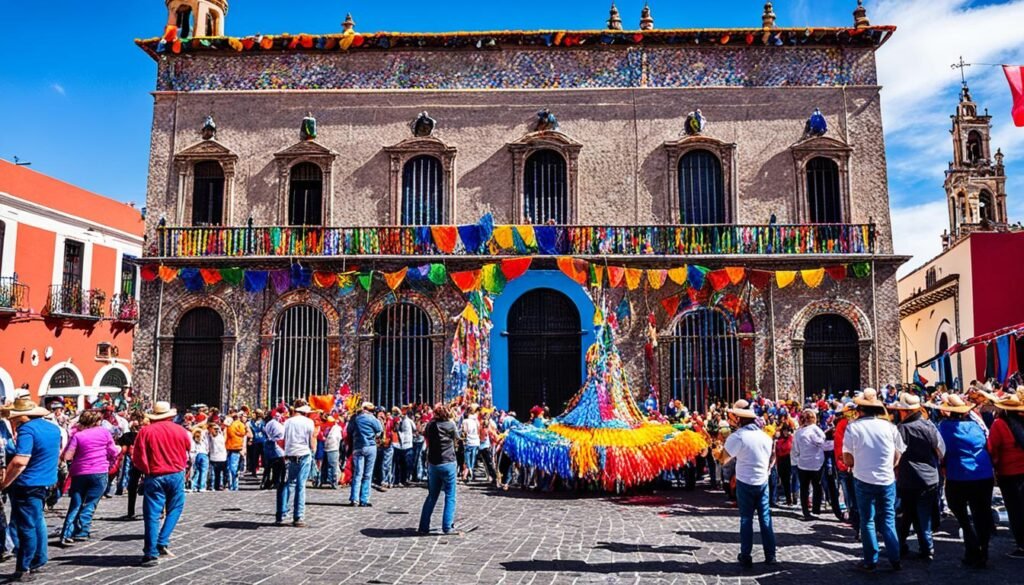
x: 1015, y: 75
x: 671, y: 305
x: 513, y: 268
x: 760, y: 278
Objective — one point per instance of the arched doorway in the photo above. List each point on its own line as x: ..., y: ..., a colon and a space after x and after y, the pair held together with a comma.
x: 831, y: 356
x: 403, y: 356
x: 197, y: 359
x: 544, y: 351
x: 946, y: 375
x: 704, y: 359
x: 298, y: 362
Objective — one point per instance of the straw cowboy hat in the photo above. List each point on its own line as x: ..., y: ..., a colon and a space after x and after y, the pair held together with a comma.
x: 907, y: 402
x: 368, y: 406
x: 741, y: 408
x: 162, y: 410
x: 956, y: 404
x: 25, y: 407
x: 869, y: 397
x: 1013, y: 402
x: 304, y: 409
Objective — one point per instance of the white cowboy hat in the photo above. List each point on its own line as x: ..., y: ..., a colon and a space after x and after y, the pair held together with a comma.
x: 1014, y: 402
x: 907, y: 401
x: 25, y: 407
x: 954, y: 403
x: 367, y: 405
x: 741, y: 408
x: 162, y: 410
x: 304, y: 409
x: 869, y: 397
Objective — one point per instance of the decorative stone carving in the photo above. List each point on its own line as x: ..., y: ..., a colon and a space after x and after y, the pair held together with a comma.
x: 306, y: 151
x: 209, y: 129
x: 308, y: 129
x: 726, y: 153
x: 696, y: 123
x: 546, y: 121
x: 812, y: 147
x: 614, y: 20
x: 541, y: 140
x: 185, y: 162
x: 410, y: 148
x: 423, y: 126
x: 816, y: 124
x: 646, y: 20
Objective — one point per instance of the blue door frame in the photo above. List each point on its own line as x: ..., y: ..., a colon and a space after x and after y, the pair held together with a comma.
x: 533, y: 279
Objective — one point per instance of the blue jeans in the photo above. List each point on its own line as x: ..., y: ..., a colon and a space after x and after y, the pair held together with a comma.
x: 387, y: 466
x: 849, y: 497
x: 30, y: 526
x: 753, y: 499
x: 162, y: 491
x: 439, y: 478
x: 916, y: 509
x: 298, y: 473
x: 877, y: 500
x: 471, y: 459
x: 329, y: 469
x: 86, y: 491
x: 417, y: 460
x: 200, y: 472
x: 123, y: 474
x: 362, y: 474
x: 234, y: 465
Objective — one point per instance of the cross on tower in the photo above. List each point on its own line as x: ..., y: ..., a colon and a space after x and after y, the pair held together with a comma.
x: 961, y: 66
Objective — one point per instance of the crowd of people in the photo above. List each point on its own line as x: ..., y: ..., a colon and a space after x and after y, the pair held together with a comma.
x: 887, y: 463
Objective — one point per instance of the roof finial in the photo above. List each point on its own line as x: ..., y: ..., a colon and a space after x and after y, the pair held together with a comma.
x: 768, y: 17
x: 860, y: 16
x: 614, y: 21
x: 646, y: 20
x: 349, y: 25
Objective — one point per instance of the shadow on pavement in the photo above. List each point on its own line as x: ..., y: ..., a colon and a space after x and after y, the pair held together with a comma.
x: 122, y: 537
x: 389, y: 532
x: 99, y: 560
x: 237, y: 525
x: 628, y: 547
x: 717, y: 568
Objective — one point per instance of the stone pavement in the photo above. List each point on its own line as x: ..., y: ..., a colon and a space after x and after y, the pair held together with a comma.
x: 509, y: 538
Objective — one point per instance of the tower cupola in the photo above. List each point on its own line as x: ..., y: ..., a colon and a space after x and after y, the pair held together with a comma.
x: 197, y: 18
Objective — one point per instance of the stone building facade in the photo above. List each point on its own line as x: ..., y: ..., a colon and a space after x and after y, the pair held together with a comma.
x: 654, y: 131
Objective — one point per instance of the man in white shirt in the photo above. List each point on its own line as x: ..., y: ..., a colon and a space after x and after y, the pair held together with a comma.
x: 871, y: 449
x: 299, y: 445
x: 752, y: 449
x: 403, y: 449
x: 809, y: 457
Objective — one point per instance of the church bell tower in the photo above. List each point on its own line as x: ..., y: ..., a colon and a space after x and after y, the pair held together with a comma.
x: 975, y: 180
x: 197, y: 18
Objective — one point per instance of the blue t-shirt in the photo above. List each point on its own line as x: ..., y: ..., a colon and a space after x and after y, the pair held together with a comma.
x: 364, y: 428
x: 258, y: 436
x: 39, y: 440
x: 966, y: 457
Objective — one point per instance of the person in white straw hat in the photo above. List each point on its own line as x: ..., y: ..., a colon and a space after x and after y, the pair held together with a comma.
x: 752, y: 449
x: 161, y: 454
x: 363, y: 430
x: 299, y: 446
x: 917, y: 478
x: 871, y: 449
x: 31, y: 471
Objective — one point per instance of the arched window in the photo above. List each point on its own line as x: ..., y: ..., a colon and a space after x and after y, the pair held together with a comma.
x: 986, y: 207
x: 208, y: 194
x: 975, y: 150
x: 544, y: 346
x: 64, y: 378
x: 545, y: 188
x: 423, y: 191
x: 305, y: 198
x: 701, y: 192
x: 183, y: 20
x: 197, y: 360
x: 114, y: 378
x: 831, y: 356
x: 403, y: 356
x: 704, y: 359
x: 947, y: 367
x: 298, y: 362
x: 823, y: 195
x: 211, y: 24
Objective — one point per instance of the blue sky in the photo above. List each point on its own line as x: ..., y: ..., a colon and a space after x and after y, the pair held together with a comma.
x: 74, y: 89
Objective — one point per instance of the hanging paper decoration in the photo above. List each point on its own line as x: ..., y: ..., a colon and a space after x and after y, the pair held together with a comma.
x: 324, y: 279
x: 492, y: 279
x: 736, y: 274
x: 445, y: 237
x: 695, y: 275
x: 836, y: 273
x: 596, y: 276
x: 547, y: 239
x: 503, y: 237
x: 192, y: 279
x: 731, y: 303
x: 861, y: 269
x: 656, y: 278
x: 633, y: 276
x: 677, y: 275
x: 759, y: 278
x: 470, y: 376
x: 255, y: 280
x: 813, y: 277
x: 232, y: 276
x: 301, y: 277
x: 149, y: 272
x: 486, y: 227
x: 467, y: 281
x: 527, y: 234
x: 438, y: 274
x: 167, y: 274
x: 211, y: 276
x: 615, y: 274
x: 395, y: 279
x: 785, y: 278
x: 568, y: 268
x: 513, y: 268
x: 624, y: 311
x: 366, y: 280
x: 470, y: 314
x: 671, y: 305
x: 603, y: 435
x: 346, y: 283
x: 281, y: 280
x: 718, y: 279
x: 470, y: 236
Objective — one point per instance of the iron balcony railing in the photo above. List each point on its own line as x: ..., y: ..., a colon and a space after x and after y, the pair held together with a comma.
x: 74, y: 301
x: 124, y: 307
x: 580, y: 240
x: 13, y: 294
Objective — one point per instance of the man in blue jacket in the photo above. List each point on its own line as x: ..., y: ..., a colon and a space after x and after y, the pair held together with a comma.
x: 363, y: 430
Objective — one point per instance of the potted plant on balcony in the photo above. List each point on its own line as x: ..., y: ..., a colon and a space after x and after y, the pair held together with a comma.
x: 97, y: 298
x: 127, y: 308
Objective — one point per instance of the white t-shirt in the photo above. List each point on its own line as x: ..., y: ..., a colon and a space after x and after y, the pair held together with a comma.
x: 332, y: 442
x: 808, y: 448
x: 873, y: 442
x: 752, y: 448
x: 471, y: 427
x: 216, y: 447
x: 298, y: 431
x: 405, y: 430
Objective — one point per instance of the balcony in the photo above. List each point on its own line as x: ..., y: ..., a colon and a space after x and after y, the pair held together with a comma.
x: 576, y: 240
x: 74, y: 302
x: 13, y: 295
x: 124, y: 308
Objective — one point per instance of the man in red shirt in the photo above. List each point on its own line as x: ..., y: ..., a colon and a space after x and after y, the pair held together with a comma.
x: 161, y: 454
x: 846, y: 414
x: 1006, y: 447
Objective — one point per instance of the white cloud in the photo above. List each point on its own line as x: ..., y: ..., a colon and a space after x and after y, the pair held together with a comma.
x: 916, y: 232
x: 58, y: 88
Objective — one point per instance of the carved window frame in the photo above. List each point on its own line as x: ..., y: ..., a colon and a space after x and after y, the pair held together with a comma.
x: 313, y: 152
x: 545, y: 140
x: 838, y: 152
x: 726, y: 154
x: 185, y: 164
x: 409, y: 149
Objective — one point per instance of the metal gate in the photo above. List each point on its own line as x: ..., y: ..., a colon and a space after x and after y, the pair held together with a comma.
x: 546, y: 189
x: 704, y: 359
x: 403, y: 356
x: 64, y: 378
x: 114, y: 379
x: 422, y: 192
x: 544, y: 351
x: 831, y: 356
x: 197, y: 359
x: 298, y: 358
x: 823, y: 191
x: 701, y: 195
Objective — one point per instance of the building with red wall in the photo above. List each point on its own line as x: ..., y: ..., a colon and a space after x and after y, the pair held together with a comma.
x: 68, y: 287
